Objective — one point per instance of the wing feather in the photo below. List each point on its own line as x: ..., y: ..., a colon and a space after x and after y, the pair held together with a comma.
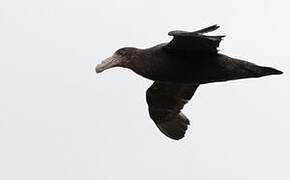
x: 184, y: 41
x: 165, y: 101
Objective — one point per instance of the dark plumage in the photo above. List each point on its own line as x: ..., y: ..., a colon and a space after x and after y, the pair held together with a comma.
x: 178, y: 68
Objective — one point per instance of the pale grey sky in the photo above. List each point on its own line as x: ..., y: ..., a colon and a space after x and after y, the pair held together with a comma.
x: 59, y: 120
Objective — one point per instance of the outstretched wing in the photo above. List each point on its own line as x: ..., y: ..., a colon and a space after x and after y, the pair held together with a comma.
x: 165, y: 101
x: 184, y: 41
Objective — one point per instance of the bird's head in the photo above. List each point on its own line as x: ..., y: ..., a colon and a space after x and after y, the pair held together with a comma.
x: 121, y: 58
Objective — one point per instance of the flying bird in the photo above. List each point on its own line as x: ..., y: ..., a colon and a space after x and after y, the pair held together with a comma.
x: 177, y: 69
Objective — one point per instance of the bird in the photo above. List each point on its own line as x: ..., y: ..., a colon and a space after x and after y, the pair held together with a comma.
x: 178, y: 68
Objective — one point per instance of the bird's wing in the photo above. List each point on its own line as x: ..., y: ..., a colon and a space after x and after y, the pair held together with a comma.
x: 165, y: 101
x: 184, y: 41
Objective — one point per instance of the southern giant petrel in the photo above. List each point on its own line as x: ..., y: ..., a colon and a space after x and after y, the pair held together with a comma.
x: 177, y: 69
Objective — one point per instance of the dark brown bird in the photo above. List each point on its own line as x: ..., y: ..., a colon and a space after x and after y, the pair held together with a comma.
x: 178, y: 68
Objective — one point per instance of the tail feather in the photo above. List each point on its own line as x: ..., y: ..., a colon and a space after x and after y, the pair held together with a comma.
x: 232, y: 68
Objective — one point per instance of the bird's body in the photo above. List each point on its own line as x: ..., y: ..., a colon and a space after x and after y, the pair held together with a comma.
x: 158, y: 64
x: 178, y: 68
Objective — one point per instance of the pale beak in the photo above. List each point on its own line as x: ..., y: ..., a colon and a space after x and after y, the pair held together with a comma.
x: 106, y: 64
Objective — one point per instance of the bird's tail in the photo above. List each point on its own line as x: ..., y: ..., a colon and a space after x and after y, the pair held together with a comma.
x: 248, y: 70
x: 231, y: 69
x: 254, y: 70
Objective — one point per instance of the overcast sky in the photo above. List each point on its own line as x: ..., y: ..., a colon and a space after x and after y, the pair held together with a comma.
x: 60, y: 120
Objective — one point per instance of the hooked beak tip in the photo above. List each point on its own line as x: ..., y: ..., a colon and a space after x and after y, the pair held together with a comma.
x: 98, y: 70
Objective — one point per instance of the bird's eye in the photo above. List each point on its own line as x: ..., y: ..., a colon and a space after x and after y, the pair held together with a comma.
x: 122, y: 52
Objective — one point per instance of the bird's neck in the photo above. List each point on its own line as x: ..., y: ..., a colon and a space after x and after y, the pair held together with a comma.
x: 144, y: 63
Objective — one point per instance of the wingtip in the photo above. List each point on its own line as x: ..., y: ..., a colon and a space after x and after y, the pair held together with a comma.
x: 279, y: 72
x: 275, y: 71
x: 216, y: 26
x: 271, y: 71
x: 208, y: 29
x: 170, y: 33
x: 201, y: 31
